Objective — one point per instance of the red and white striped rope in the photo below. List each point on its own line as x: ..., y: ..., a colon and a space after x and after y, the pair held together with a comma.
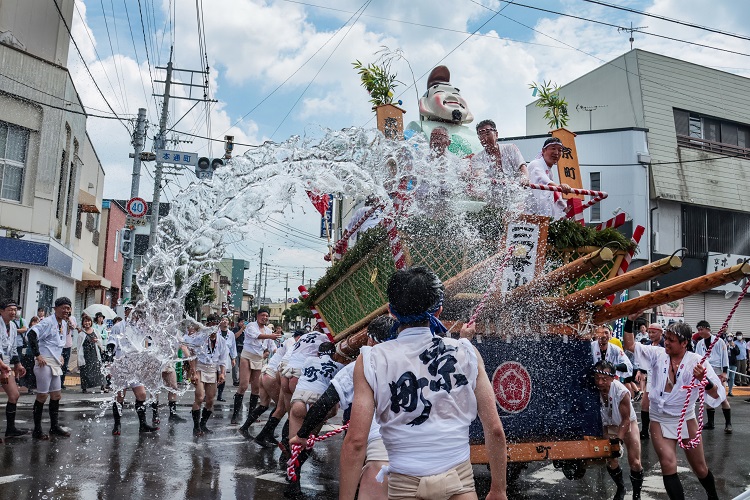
x: 305, y: 294
x: 293, y: 462
x: 615, y: 222
x: 586, y: 192
x: 625, y: 264
x: 339, y: 249
x: 400, y: 201
x: 493, y: 286
x: 701, y: 384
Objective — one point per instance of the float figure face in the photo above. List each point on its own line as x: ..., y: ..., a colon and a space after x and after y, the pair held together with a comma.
x: 443, y: 102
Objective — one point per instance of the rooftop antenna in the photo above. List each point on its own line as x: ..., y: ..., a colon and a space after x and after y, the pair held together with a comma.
x: 631, y: 30
x: 580, y: 107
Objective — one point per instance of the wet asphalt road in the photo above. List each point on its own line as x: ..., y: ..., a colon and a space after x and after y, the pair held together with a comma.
x: 92, y: 464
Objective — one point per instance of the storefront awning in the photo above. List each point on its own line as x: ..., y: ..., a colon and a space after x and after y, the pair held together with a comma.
x: 87, y: 202
x: 94, y: 280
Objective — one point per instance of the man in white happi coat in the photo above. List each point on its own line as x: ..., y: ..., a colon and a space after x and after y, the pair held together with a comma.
x: 603, y: 349
x: 10, y: 365
x: 548, y: 203
x: 424, y: 391
x: 619, y: 422
x: 671, y: 368
x: 719, y: 361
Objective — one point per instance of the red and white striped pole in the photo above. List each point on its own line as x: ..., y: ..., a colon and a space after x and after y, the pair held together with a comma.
x: 615, y: 222
x: 400, y: 201
x: 635, y: 239
x: 305, y: 294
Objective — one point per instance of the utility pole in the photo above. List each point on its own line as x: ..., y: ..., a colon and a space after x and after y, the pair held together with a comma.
x: 139, y: 139
x: 265, y: 284
x: 260, y: 276
x: 286, y: 290
x: 303, y: 275
x: 159, y: 166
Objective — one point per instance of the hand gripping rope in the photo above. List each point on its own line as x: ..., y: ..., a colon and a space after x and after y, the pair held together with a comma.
x: 493, y: 286
x: 701, y: 384
x: 293, y: 463
x: 305, y: 294
x: 597, y: 195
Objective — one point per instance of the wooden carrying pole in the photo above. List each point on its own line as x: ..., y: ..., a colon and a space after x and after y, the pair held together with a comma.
x: 616, y: 284
x: 674, y: 292
x: 559, y: 276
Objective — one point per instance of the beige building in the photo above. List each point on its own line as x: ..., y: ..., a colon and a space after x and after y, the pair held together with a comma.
x: 50, y: 178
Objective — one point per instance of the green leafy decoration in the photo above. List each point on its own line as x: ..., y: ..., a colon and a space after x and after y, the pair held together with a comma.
x: 567, y: 233
x: 556, y: 112
x: 378, y: 81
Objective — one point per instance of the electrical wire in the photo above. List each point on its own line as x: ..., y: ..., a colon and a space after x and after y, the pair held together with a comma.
x: 138, y: 61
x: 148, y: 59
x: 669, y: 19
x: 359, y: 13
x: 75, y: 44
x: 84, y: 113
x: 114, y: 59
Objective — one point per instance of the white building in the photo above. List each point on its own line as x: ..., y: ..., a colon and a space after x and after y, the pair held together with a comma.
x: 697, y: 132
x: 50, y: 178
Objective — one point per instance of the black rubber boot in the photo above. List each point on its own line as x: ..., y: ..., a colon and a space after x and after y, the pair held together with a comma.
x: 674, y: 487
x: 220, y: 392
x: 38, y: 412
x: 197, y: 423
x: 116, y: 413
x: 155, y: 413
x: 293, y: 489
x: 727, y: 420
x: 284, y: 445
x: 636, y: 479
x: 173, y: 416
x: 710, y: 414
x: 253, y: 402
x: 54, y: 414
x: 237, y: 408
x: 140, y: 409
x: 709, y: 485
x: 616, y: 475
x: 265, y: 437
x: 204, y: 418
x: 252, y: 416
x: 645, y: 421
x: 10, y: 416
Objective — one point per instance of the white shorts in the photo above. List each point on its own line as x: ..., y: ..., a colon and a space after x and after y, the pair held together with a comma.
x: 268, y: 370
x: 290, y: 372
x: 669, y: 423
x: 376, y: 451
x: 255, y: 360
x: 307, y: 397
x: 208, y: 373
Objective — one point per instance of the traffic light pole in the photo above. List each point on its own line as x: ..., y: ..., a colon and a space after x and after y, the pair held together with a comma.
x: 139, y: 136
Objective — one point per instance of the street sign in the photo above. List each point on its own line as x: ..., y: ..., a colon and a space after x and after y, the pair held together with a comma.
x: 176, y: 157
x: 136, y: 207
x: 133, y: 221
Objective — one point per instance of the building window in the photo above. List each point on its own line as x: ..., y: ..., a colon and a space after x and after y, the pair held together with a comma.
x: 708, y: 133
x: 711, y: 230
x: 12, y: 281
x: 14, y: 143
x: 596, y: 185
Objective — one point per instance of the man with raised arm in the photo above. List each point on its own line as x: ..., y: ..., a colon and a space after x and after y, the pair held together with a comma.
x: 672, y: 367
x: 424, y: 391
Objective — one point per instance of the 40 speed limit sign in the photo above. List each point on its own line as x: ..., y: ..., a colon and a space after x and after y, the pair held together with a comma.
x: 136, y: 207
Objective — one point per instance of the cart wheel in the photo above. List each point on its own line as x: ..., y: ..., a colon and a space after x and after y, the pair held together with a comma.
x: 574, y: 469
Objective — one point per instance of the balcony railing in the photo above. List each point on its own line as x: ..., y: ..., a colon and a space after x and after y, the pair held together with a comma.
x: 713, y: 147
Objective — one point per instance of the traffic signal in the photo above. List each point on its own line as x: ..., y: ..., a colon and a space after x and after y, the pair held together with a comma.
x: 228, y: 146
x: 205, y: 167
x: 126, y: 241
x: 216, y: 163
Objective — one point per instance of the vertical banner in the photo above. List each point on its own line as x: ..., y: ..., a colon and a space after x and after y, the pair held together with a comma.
x: 567, y: 166
x: 326, y: 221
x: 671, y: 312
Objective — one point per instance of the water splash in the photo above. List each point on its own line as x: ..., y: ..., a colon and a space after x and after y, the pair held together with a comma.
x: 274, y: 178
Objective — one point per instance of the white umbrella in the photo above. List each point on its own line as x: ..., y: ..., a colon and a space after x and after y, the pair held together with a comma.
x: 107, y: 311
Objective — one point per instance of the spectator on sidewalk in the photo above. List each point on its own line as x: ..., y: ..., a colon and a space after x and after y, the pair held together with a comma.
x: 741, y: 380
x: 90, y: 347
x: 734, y: 351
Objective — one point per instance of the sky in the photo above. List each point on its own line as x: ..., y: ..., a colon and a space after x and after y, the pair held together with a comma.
x: 281, y: 68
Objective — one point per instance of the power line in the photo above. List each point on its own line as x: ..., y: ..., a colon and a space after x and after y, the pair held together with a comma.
x: 148, y: 59
x: 411, y: 23
x: 363, y: 8
x: 637, y: 75
x: 84, y: 113
x: 604, y: 23
x: 671, y: 20
x: 112, y: 50
x: 67, y: 28
x: 137, y: 60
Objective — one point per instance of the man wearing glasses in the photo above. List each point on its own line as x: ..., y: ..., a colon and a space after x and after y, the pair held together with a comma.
x: 497, y: 167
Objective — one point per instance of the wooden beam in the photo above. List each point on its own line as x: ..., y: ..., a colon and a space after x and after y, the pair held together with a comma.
x: 674, y: 292
x: 588, y: 448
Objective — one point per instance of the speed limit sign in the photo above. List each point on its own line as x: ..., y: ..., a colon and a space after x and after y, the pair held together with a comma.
x: 136, y: 207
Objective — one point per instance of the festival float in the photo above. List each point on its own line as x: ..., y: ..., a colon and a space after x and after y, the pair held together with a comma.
x: 535, y: 288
